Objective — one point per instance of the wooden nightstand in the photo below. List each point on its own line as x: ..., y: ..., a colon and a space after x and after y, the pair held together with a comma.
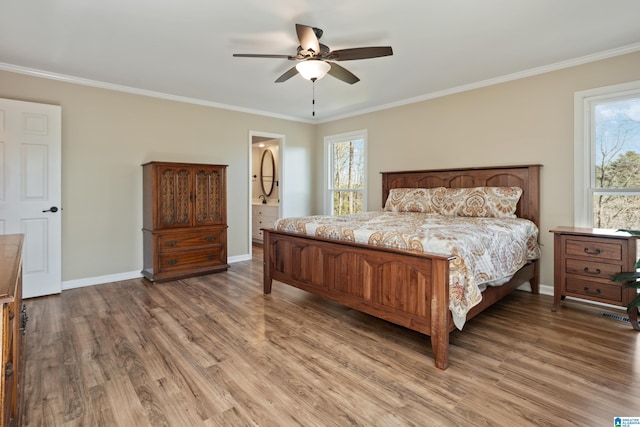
x: 585, y: 259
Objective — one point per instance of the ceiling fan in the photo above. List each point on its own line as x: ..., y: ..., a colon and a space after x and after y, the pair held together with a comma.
x: 315, y: 59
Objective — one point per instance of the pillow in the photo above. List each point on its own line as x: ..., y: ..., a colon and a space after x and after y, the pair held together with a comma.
x: 489, y: 202
x: 425, y: 200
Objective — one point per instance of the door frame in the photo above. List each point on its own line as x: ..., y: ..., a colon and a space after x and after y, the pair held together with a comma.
x: 281, y: 183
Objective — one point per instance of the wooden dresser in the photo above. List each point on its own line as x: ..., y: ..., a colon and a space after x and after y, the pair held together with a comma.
x: 14, y: 322
x: 184, y: 220
x: 584, y: 261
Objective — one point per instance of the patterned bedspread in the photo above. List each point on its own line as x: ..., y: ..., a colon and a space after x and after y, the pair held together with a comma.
x: 487, y: 250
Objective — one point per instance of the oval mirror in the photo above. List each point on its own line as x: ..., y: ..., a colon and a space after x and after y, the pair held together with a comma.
x: 267, y: 172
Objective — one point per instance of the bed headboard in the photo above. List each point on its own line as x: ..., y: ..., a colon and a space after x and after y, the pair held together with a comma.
x: 526, y: 177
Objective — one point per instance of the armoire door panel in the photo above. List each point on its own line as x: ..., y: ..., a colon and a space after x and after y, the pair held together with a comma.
x: 208, y: 196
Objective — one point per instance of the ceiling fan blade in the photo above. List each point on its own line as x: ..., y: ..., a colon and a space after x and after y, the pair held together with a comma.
x: 359, y: 53
x: 258, y: 55
x: 307, y: 37
x: 287, y: 75
x: 343, y: 74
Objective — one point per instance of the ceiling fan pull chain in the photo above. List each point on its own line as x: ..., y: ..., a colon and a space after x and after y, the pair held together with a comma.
x: 313, y: 101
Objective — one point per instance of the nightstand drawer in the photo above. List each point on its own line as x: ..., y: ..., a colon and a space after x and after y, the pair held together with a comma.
x: 593, y: 248
x: 592, y: 269
x: 605, y: 292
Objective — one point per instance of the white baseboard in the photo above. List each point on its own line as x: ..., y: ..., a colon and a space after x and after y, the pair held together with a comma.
x: 546, y: 289
x: 238, y: 258
x: 98, y: 280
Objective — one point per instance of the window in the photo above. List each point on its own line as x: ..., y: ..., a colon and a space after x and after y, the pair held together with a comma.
x: 345, y: 157
x: 607, y: 160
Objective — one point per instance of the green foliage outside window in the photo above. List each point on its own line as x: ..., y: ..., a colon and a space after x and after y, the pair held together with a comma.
x: 347, y: 183
x: 347, y: 202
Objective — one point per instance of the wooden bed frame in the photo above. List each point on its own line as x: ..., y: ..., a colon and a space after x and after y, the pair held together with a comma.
x: 406, y: 288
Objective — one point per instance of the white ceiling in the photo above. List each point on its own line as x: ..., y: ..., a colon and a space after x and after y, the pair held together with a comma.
x: 183, y: 48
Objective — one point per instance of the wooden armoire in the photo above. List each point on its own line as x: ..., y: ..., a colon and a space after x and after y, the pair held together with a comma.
x: 184, y: 223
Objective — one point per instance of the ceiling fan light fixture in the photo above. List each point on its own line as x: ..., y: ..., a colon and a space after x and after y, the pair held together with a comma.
x: 313, y: 69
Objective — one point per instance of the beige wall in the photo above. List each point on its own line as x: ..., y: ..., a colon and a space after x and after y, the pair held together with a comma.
x: 107, y: 135
x: 526, y: 121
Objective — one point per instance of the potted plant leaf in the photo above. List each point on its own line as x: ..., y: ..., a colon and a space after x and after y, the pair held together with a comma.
x: 631, y: 280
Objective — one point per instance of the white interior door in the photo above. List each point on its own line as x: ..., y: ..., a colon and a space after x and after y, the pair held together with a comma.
x: 30, y: 171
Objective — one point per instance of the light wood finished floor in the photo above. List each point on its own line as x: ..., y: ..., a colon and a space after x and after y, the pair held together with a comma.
x: 214, y: 351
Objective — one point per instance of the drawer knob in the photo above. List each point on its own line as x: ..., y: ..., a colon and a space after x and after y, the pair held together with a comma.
x: 171, y: 242
x: 210, y: 239
x: 590, y: 292
x: 590, y: 252
x: 597, y: 271
x: 171, y: 261
x: 212, y: 256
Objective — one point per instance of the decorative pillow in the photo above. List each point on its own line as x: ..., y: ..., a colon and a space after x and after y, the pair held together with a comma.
x: 425, y: 200
x: 489, y: 202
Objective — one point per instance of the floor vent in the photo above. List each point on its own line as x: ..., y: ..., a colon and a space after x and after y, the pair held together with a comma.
x: 614, y: 316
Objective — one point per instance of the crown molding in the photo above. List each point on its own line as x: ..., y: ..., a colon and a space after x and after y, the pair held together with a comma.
x: 490, y: 82
x: 432, y: 95
x: 143, y: 92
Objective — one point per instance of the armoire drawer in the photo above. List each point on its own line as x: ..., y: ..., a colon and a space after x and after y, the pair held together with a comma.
x: 188, y: 240
x: 190, y: 259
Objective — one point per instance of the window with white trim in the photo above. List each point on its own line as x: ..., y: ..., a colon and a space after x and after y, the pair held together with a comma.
x: 607, y: 157
x: 346, y: 173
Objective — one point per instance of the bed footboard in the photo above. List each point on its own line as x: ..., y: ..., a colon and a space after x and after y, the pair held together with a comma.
x: 409, y: 289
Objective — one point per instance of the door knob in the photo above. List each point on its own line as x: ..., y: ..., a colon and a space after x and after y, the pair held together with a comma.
x: 53, y: 209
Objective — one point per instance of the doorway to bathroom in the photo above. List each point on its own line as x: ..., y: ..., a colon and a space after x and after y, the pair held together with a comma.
x: 265, y: 184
